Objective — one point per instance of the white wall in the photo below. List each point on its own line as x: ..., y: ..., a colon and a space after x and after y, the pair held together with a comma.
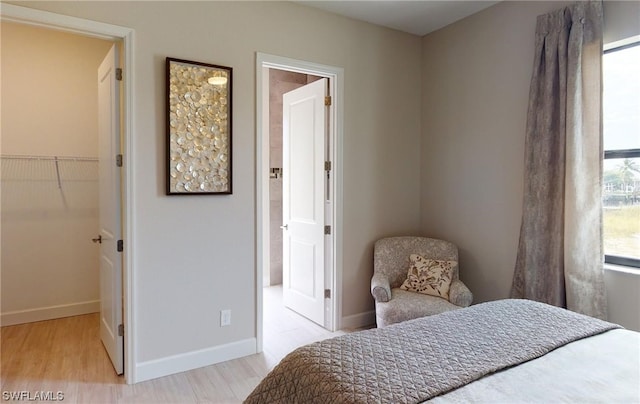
x: 623, y: 296
x: 621, y: 20
x: 49, y: 86
x: 49, y: 108
x: 196, y: 255
x: 476, y: 76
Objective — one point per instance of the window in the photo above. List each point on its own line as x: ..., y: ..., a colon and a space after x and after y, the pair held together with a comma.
x: 621, y: 166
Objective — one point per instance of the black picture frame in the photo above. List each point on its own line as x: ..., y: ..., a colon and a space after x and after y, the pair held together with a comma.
x: 198, y: 128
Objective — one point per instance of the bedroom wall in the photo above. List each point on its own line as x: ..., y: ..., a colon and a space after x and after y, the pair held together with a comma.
x: 49, y: 108
x: 196, y: 255
x: 476, y: 76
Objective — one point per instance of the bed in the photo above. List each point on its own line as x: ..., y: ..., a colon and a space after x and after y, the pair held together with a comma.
x: 503, y: 351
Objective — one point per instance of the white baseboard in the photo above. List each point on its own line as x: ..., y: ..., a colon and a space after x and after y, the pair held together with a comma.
x: 49, y: 313
x: 192, y: 360
x: 359, y: 320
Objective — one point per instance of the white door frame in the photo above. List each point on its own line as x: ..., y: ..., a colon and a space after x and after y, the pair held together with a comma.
x: 45, y: 19
x: 336, y: 87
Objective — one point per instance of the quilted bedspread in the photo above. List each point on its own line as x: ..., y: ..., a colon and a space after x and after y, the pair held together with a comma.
x: 416, y: 360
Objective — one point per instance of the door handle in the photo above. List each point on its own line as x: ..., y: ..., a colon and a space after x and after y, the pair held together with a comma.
x: 285, y: 227
x: 97, y: 240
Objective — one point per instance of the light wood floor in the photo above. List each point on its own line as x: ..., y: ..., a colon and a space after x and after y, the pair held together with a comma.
x: 66, y: 355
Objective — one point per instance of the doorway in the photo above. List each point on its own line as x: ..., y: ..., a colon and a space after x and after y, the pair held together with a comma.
x: 86, y: 28
x: 268, y: 174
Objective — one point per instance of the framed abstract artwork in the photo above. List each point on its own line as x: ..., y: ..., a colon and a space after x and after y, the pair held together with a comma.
x: 198, y: 128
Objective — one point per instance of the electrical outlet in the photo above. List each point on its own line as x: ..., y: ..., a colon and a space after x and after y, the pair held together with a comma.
x: 225, y: 317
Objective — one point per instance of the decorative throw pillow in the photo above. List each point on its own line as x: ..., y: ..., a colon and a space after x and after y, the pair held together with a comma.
x: 430, y: 277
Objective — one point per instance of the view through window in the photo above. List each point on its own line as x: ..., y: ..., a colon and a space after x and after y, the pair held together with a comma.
x: 621, y: 168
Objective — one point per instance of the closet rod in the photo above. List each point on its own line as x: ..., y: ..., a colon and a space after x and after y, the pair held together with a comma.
x: 47, y: 158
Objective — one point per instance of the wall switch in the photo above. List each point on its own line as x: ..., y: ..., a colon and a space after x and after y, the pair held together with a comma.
x: 225, y: 317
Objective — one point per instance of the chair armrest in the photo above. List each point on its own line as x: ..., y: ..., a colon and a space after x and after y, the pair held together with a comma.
x: 380, y: 288
x: 459, y: 294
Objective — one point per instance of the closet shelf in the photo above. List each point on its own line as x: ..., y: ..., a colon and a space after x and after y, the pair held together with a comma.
x: 57, y: 169
x: 46, y: 158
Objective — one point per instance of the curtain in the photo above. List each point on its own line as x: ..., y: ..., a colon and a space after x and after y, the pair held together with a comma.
x: 560, y: 254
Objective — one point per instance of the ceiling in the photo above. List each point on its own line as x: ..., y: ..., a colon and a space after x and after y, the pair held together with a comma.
x: 418, y: 17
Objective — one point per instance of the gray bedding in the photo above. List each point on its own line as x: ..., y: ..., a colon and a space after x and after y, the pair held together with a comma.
x: 417, y: 360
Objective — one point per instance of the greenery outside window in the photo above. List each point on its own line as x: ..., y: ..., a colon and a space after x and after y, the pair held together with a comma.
x: 621, y: 166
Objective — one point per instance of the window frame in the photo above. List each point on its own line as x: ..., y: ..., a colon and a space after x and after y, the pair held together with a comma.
x: 616, y: 154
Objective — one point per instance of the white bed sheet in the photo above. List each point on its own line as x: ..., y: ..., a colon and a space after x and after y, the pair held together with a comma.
x: 601, y: 369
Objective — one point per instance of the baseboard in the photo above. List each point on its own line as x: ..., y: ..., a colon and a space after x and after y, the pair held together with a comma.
x: 49, y: 313
x: 360, y: 320
x: 192, y: 360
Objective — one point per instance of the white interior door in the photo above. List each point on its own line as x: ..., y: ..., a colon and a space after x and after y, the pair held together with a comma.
x: 303, y: 178
x: 110, y: 219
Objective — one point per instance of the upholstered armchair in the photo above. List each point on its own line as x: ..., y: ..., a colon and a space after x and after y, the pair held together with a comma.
x: 390, y: 268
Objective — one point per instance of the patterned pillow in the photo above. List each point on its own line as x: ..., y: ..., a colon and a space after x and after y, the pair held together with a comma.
x: 430, y: 277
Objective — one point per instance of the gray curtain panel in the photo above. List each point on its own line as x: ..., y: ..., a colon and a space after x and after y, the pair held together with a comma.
x: 560, y: 255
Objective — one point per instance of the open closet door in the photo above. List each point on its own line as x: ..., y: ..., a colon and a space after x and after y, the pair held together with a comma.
x: 111, y: 329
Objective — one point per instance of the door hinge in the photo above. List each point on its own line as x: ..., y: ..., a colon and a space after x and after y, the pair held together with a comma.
x: 327, y: 166
x: 327, y: 229
x: 327, y: 100
x: 121, y: 330
x: 118, y: 74
x: 327, y: 293
x: 120, y: 246
x: 119, y: 160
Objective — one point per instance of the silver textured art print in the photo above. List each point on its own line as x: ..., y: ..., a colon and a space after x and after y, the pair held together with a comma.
x: 198, y: 128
